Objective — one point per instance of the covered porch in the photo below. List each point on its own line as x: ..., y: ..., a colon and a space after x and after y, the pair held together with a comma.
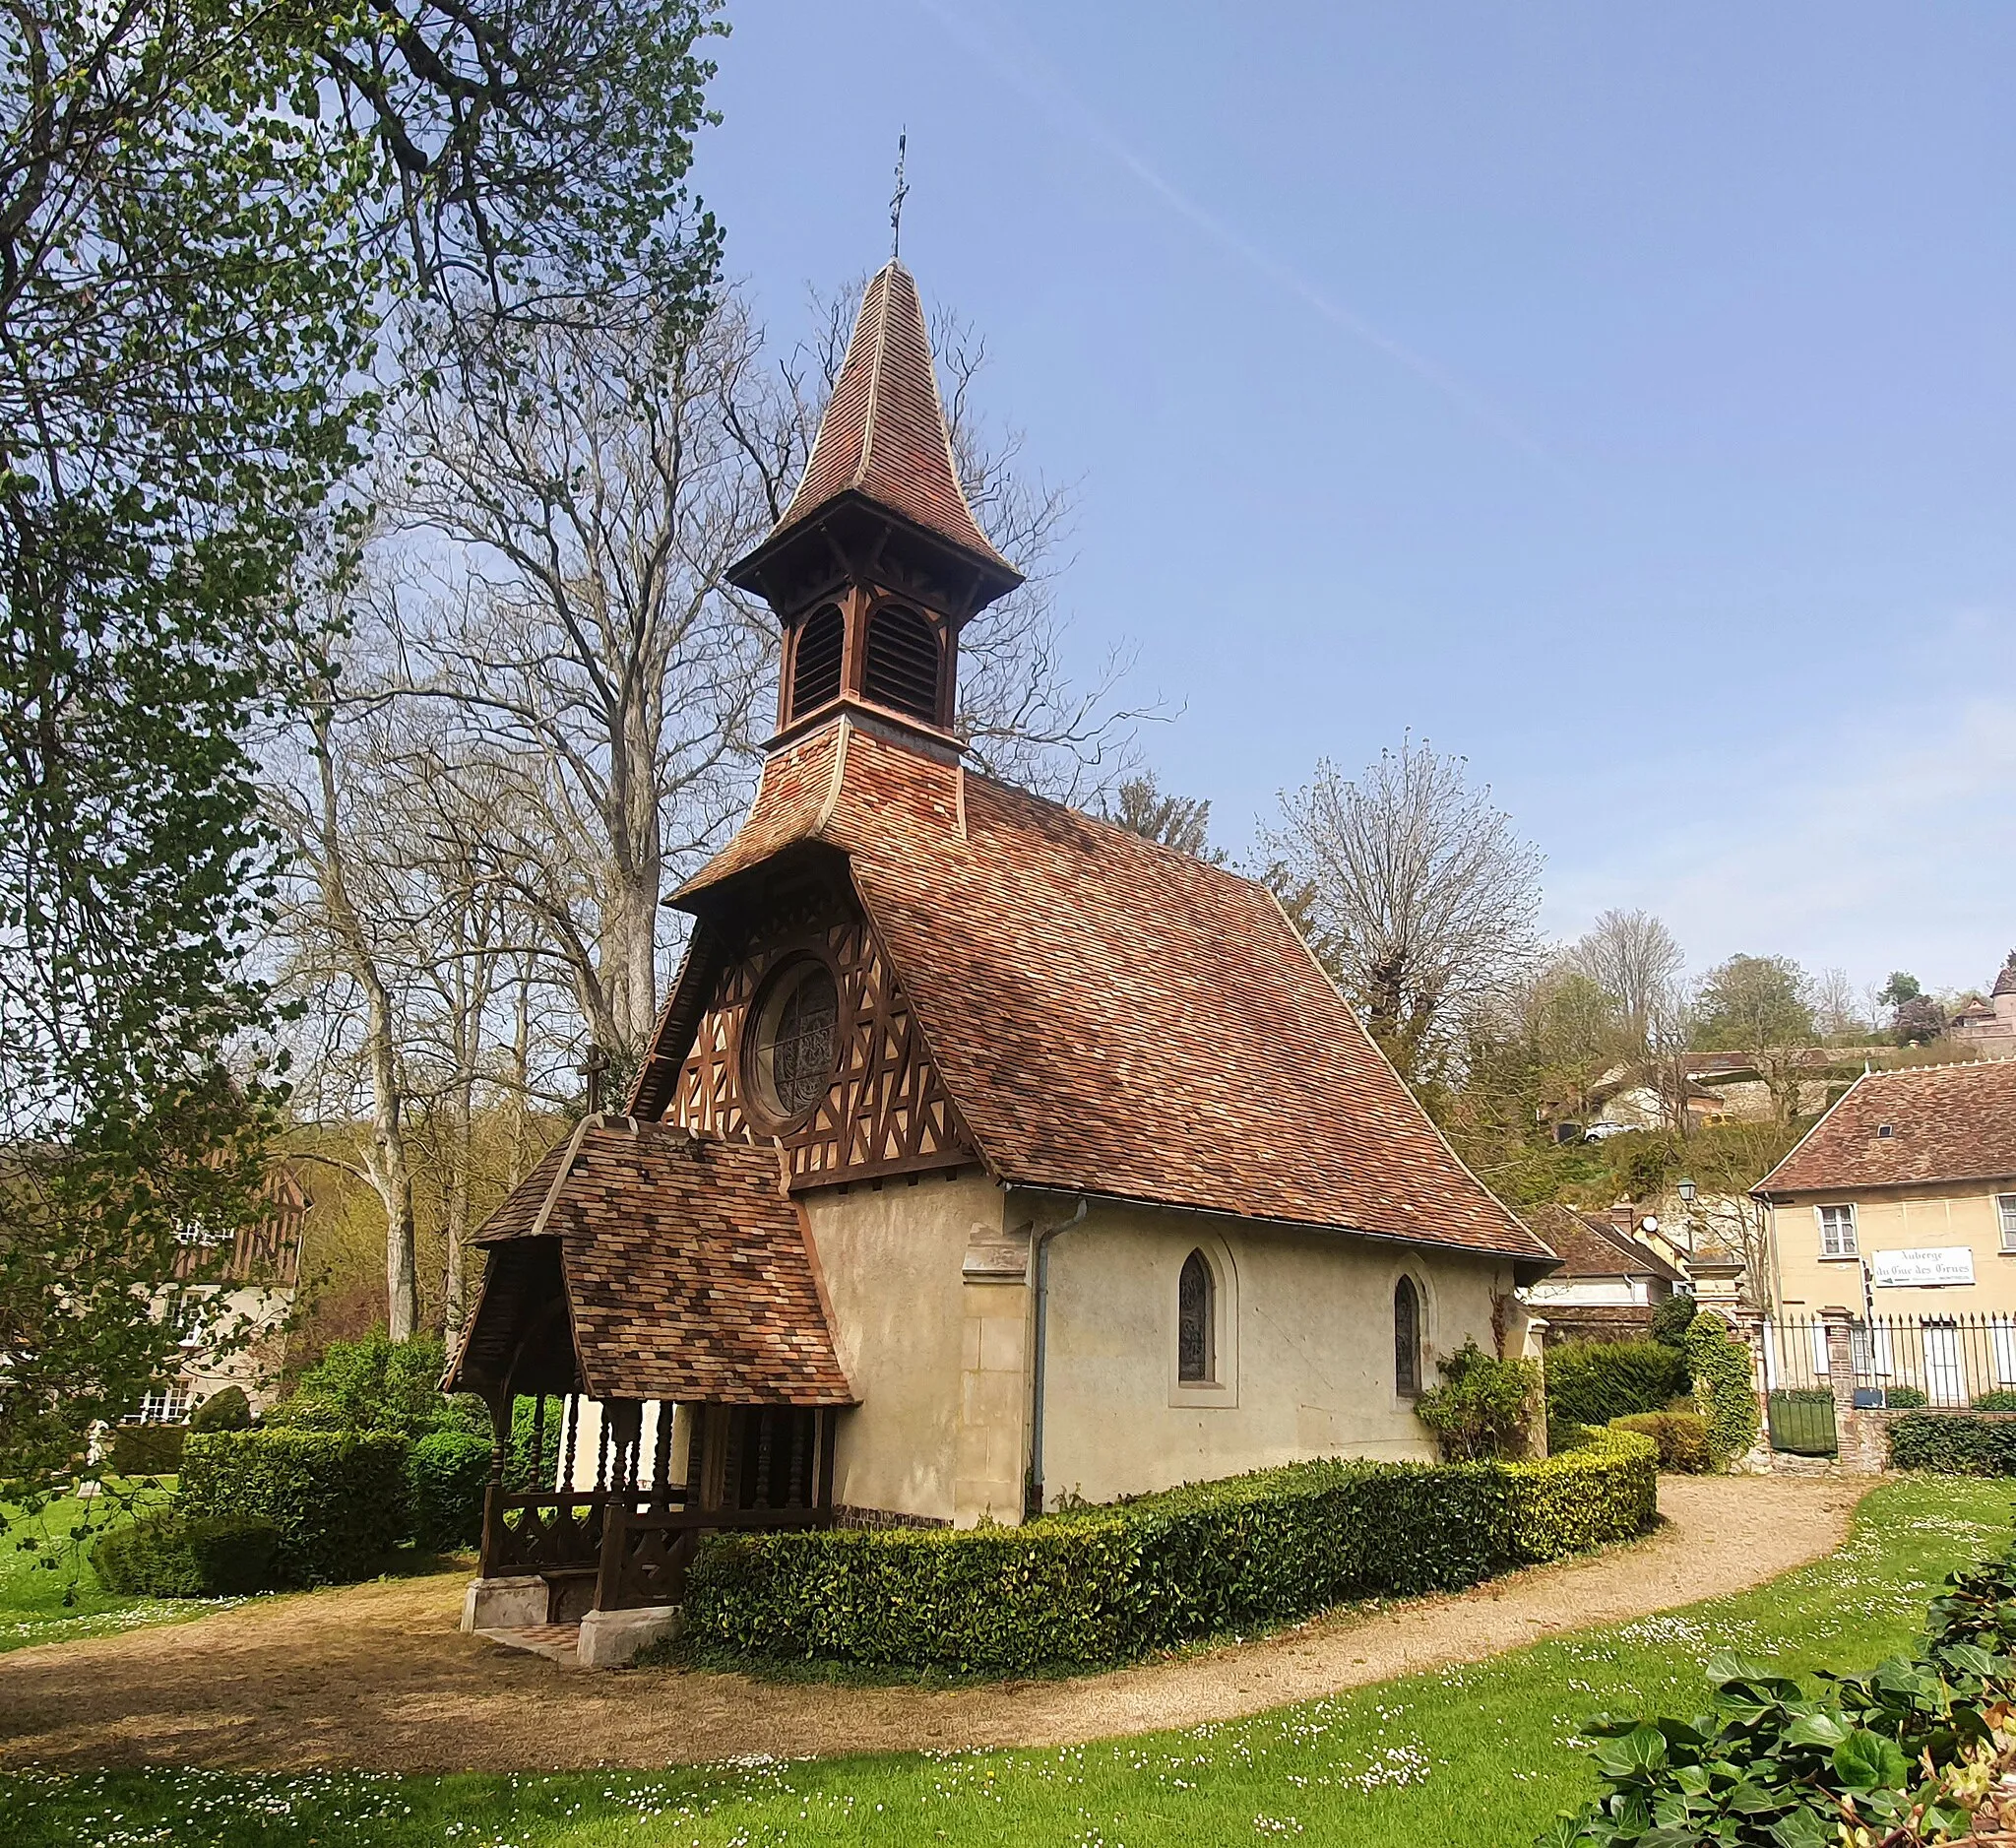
x: 653, y: 1296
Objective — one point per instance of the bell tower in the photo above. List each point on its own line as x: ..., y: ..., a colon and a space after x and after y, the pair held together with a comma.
x: 878, y: 562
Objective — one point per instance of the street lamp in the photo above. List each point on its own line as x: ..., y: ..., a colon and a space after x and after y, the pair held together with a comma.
x: 1687, y: 1193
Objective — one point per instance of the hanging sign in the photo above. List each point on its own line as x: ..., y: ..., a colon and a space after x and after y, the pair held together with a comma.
x: 1925, y: 1269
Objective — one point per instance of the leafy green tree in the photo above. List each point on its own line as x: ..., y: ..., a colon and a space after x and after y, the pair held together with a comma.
x: 1762, y: 1007
x: 1183, y: 822
x: 206, y: 211
x: 1901, y: 987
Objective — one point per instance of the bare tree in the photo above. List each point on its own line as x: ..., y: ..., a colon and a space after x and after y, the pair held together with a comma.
x: 1421, y: 895
x: 600, y: 675
x: 1633, y: 956
x: 1838, y: 1009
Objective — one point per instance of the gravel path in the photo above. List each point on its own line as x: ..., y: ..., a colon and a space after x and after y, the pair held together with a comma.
x: 375, y: 1676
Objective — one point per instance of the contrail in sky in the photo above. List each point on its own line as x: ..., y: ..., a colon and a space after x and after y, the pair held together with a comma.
x: 1042, y: 85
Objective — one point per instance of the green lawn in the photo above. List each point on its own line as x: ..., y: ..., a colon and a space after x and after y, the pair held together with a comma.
x: 1478, y: 1756
x: 49, y: 1592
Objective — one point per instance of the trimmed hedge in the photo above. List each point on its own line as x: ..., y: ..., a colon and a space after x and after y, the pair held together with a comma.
x: 226, y: 1410
x: 169, y: 1556
x: 1953, y: 1444
x: 446, y: 1473
x: 1605, y: 1490
x: 148, y: 1450
x: 1111, y: 1584
x: 1681, y: 1436
x: 1591, y: 1382
x: 339, y: 1499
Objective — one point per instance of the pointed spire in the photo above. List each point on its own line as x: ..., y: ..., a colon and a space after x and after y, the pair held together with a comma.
x: 884, y: 435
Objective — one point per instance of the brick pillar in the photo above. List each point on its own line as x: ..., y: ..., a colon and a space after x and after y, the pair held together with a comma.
x: 1855, y: 1436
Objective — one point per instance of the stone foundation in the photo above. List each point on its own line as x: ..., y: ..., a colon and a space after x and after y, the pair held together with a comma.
x: 611, y: 1638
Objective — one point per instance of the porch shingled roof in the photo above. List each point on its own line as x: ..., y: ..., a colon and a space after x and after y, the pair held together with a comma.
x: 685, y: 1267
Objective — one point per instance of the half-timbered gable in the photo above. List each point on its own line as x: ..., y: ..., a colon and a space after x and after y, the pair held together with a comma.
x: 883, y: 1111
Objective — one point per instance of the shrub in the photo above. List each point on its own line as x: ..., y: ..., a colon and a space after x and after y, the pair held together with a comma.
x: 148, y: 1450
x: 339, y: 1499
x: 1988, y: 1402
x: 229, y: 1410
x: 380, y: 1384
x: 1594, y: 1382
x: 1812, y: 1395
x: 171, y: 1556
x: 1107, y: 1584
x: 1682, y: 1437
x: 446, y: 1473
x: 1910, y: 1398
x: 1723, y: 1393
x: 1483, y: 1407
x: 1564, y: 1435
x: 1672, y: 1319
x: 1898, y: 1754
x: 1951, y: 1443
x: 1608, y: 1489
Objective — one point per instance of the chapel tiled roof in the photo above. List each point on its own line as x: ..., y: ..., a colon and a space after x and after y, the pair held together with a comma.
x: 1110, y: 1015
x: 884, y: 435
x: 2005, y: 982
x: 1588, y: 1246
x: 1946, y: 1123
x: 686, y: 1268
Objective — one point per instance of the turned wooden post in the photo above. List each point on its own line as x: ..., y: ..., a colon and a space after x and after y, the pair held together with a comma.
x: 493, y: 1491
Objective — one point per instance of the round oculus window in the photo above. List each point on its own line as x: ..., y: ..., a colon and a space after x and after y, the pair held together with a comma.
x: 795, y: 1043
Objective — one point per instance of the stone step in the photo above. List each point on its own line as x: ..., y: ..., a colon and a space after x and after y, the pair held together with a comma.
x: 557, y: 1642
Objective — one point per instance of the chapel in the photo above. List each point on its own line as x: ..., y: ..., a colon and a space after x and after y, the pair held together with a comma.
x: 987, y: 1155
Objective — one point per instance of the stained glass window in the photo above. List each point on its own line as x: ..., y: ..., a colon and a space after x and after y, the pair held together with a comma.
x: 1194, y: 1358
x: 1407, y: 1337
x: 801, y: 1052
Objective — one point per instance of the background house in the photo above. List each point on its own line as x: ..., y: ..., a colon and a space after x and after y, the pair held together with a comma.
x: 254, y: 1298
x: 1611, y: 1279
x: 1901, y: 1199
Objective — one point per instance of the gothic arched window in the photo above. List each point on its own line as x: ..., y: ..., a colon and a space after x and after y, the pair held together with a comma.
x: 1196, y: 1356
x: 815, y: 664
x: 900, y: 665
x: 1407, y: 1337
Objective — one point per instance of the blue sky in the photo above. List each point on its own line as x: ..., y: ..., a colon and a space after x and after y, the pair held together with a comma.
x: 1622, y: 396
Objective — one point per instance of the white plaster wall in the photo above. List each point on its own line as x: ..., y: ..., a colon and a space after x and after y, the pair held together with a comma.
x: 893, y: 1258
x: 1314, y: 1343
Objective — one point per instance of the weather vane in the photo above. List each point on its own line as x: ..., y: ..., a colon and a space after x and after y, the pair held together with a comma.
x: 896, y: 201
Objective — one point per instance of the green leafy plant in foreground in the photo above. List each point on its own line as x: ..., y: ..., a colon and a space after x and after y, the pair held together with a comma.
x: 1900, y: 1752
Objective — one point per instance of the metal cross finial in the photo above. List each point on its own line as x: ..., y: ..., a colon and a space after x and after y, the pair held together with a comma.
x: 594, y: 1067
x: 896, y: 201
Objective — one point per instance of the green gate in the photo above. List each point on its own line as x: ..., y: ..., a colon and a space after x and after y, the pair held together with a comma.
x: 1802, y: 1422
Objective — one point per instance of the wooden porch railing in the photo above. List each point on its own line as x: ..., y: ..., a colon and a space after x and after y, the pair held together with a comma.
x: 638, y: 1548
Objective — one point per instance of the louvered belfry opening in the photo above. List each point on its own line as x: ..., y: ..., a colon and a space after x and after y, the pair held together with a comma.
x: 900, y: 669
x: 816, y: 666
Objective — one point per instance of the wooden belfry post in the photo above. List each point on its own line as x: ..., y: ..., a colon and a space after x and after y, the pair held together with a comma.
x: 595, y: 1068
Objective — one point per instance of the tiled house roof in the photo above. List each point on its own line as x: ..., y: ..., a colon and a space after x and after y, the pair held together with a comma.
x: 1109, y: 1015
x: 883, y: 435
x: 685, y: 1266
x: 1588, y: 1246
x: 1943, y: 1122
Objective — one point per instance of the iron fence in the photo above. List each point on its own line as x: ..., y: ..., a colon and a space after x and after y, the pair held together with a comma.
x: 1900, y: 1361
